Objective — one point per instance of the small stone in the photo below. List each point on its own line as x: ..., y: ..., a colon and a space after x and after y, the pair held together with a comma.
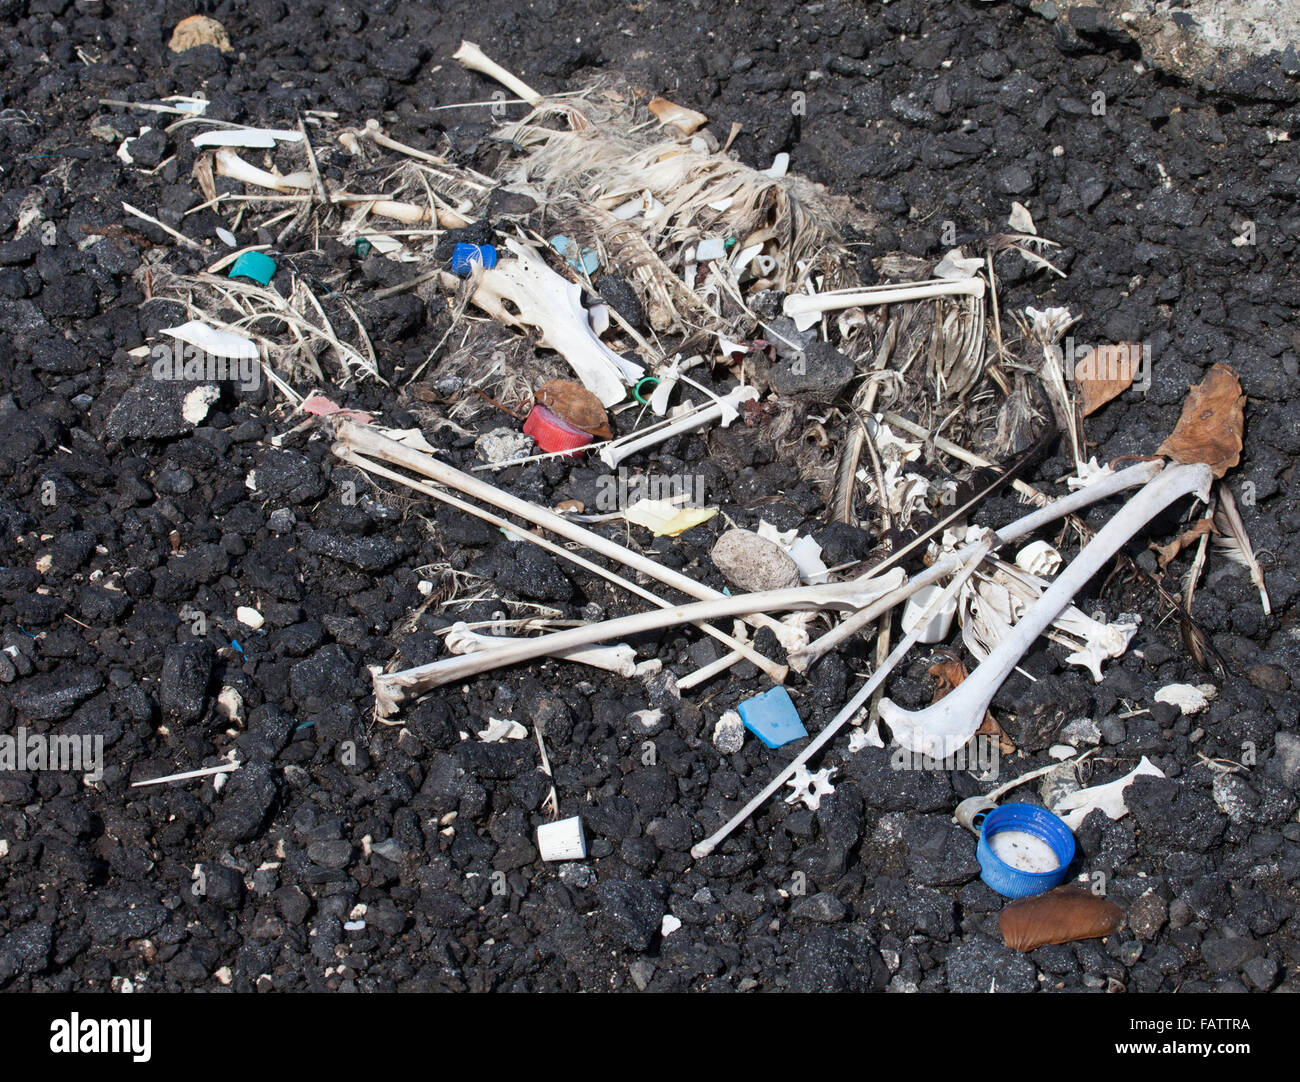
x: 1147, y: 915
x: 729, y: 733
x: 503, y: 445
x: 1261, y: 973
x: 819, y: 371
x: 641, y: 971
x: 1113, y: 730
x: 199, y: 30
x: 187, y: 669
x: 282, y: 520
x: 821, y: 908
x: 753, y: 563
x: 1082, y: 731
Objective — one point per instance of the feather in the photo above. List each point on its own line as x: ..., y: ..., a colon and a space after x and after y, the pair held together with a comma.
x: 1234, y: 543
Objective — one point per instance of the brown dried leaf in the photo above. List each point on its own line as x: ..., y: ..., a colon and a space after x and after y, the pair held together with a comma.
x: 1210, y: 427
x: 1063, y: 915
x: 948, y: 672
x: 1166, y: 553
x: 572, y: 402
x: 1107, y: 372
x: 684, y: 120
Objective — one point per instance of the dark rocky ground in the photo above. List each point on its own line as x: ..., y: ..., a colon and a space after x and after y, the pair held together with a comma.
x: 924, y: 112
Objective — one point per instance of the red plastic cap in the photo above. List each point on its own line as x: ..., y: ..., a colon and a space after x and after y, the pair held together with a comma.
x: 552, y: 433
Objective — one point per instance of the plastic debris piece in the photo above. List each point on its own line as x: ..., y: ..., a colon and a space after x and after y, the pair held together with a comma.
x: 586, y: 261
x: 1039, y: 558
x: 210, y: 340
x: 772, y: 718
x: 669, y: 925
x: 1023, y: 849
x: 562, y: 840
x: 464, y: 257
x: 552, y: 433
x: 779, y: 167
x: 501, y: 729
x: 320, y: 406
x: 938, y: 626
x: 666, y: 519
x: 1075, y: 807
x: 199, y: 30
x: 249, y: 617
x: 1063, y: 915
x: 670, y: 115
x: 710, y: 248
x: 810, y: 788
x: 1189, y: 698
x: 804, y: 551
x: 256, y: 138
x: 226, y: 237
x: 258, y: 266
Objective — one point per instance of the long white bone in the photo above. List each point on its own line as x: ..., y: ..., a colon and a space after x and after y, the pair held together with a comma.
x: 1105, y: 486
x: 619, y: 658
x: 806, y: 309
x: 391, y: 689
x: 941, y: 729
x: 367, y: 441
x: 972, y: 556
x: 723, y: 410
x: 471, y: 56
x: 545, y: 301
x: 373, y: 133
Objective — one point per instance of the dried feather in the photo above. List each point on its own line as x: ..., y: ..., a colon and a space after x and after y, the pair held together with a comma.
x: 1231, y: 538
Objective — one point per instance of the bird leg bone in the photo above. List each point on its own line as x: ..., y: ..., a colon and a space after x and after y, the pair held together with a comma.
x: 552, y: 305
x: 619, y: 658
x: 722, y: 410
x: 471, y: 56
x: 373, y: 133
x: 777, y: 672
x: 806, y: 309
x: 971, y: 557
x: 391, y: 689
x: 366, y: 441
x: 941, y: 729
x: 1105, y: 486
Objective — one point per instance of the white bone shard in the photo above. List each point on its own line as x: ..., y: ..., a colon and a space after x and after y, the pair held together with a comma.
x: 620, y: 658
x: 810, y: 788
x: 1189, y: 698
x: 1074, y: 808
x: 471, y: 56
x: 551, y: 305
x: 501, y: 729
x: 723, y: 411
x: 806, y: 309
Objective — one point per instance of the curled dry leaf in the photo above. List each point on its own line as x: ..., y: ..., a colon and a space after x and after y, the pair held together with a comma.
x: 1063, y: 915
x: 572, y: 402
x: 1166, y: 553
x: 684, y: 120
x: 948, y: 672
x: 1210, y: 427
x: 1105, y: 372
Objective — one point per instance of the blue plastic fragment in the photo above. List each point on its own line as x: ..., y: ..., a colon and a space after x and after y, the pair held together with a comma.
x: 1013, y: 882
x: 772, y: 717
x: 235, y: 644
x: 465, y: 256
x: 587, y: 261
x: 260, y: 268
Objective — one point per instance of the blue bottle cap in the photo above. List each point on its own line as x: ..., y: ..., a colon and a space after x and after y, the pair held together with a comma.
x: 1041, y: 825
x: 464, y: 256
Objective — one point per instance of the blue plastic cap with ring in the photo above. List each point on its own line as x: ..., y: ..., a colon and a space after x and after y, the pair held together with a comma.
x: 465, y: 256
x: 1038, y: 823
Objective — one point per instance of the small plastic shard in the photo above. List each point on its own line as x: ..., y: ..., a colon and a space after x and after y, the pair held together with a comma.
x: 779, y: 167
x: 319, y: 406
x: 562, y: 840
x: 249, y: 617
x: 684, y: 120
x: 1039, y: 558
x: 669, y: 925
x: 258, y: 266
x: 804, y: 551
x: 256, y: 138
x: 1074, y: 808
x: 501, y: 729
x: 1189, y: 698
x: 772, y: 718
x: 552, y: 433
x: 1063, y: 915
x: 810, y: 788
x: 665, y: 519
x: 710, y: 248
x: 210, y: 340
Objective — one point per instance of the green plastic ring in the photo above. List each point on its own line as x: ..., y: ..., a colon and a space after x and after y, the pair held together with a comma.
x: 636, y: 391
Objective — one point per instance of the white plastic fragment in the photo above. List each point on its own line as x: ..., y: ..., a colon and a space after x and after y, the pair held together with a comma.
x: 1039, y: 558
x: 195, y: 404
x: 779, y: 167
x: 501, y: 729
x: 937, y: 627
x: 1074, y: 808
x: 804, y: 551
x: 710, y: 248
x: 249, y: 617
x: 260, y: 138
x: 669, y: 925
x: 562, y: 840
x: 226, y: 237
x: 810, y: 788
x: 210, y: 340
x: 1190, y: 699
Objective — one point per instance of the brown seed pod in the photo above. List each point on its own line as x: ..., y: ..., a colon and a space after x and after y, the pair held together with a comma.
x: 572, y: 402
x: 1062, y: 915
